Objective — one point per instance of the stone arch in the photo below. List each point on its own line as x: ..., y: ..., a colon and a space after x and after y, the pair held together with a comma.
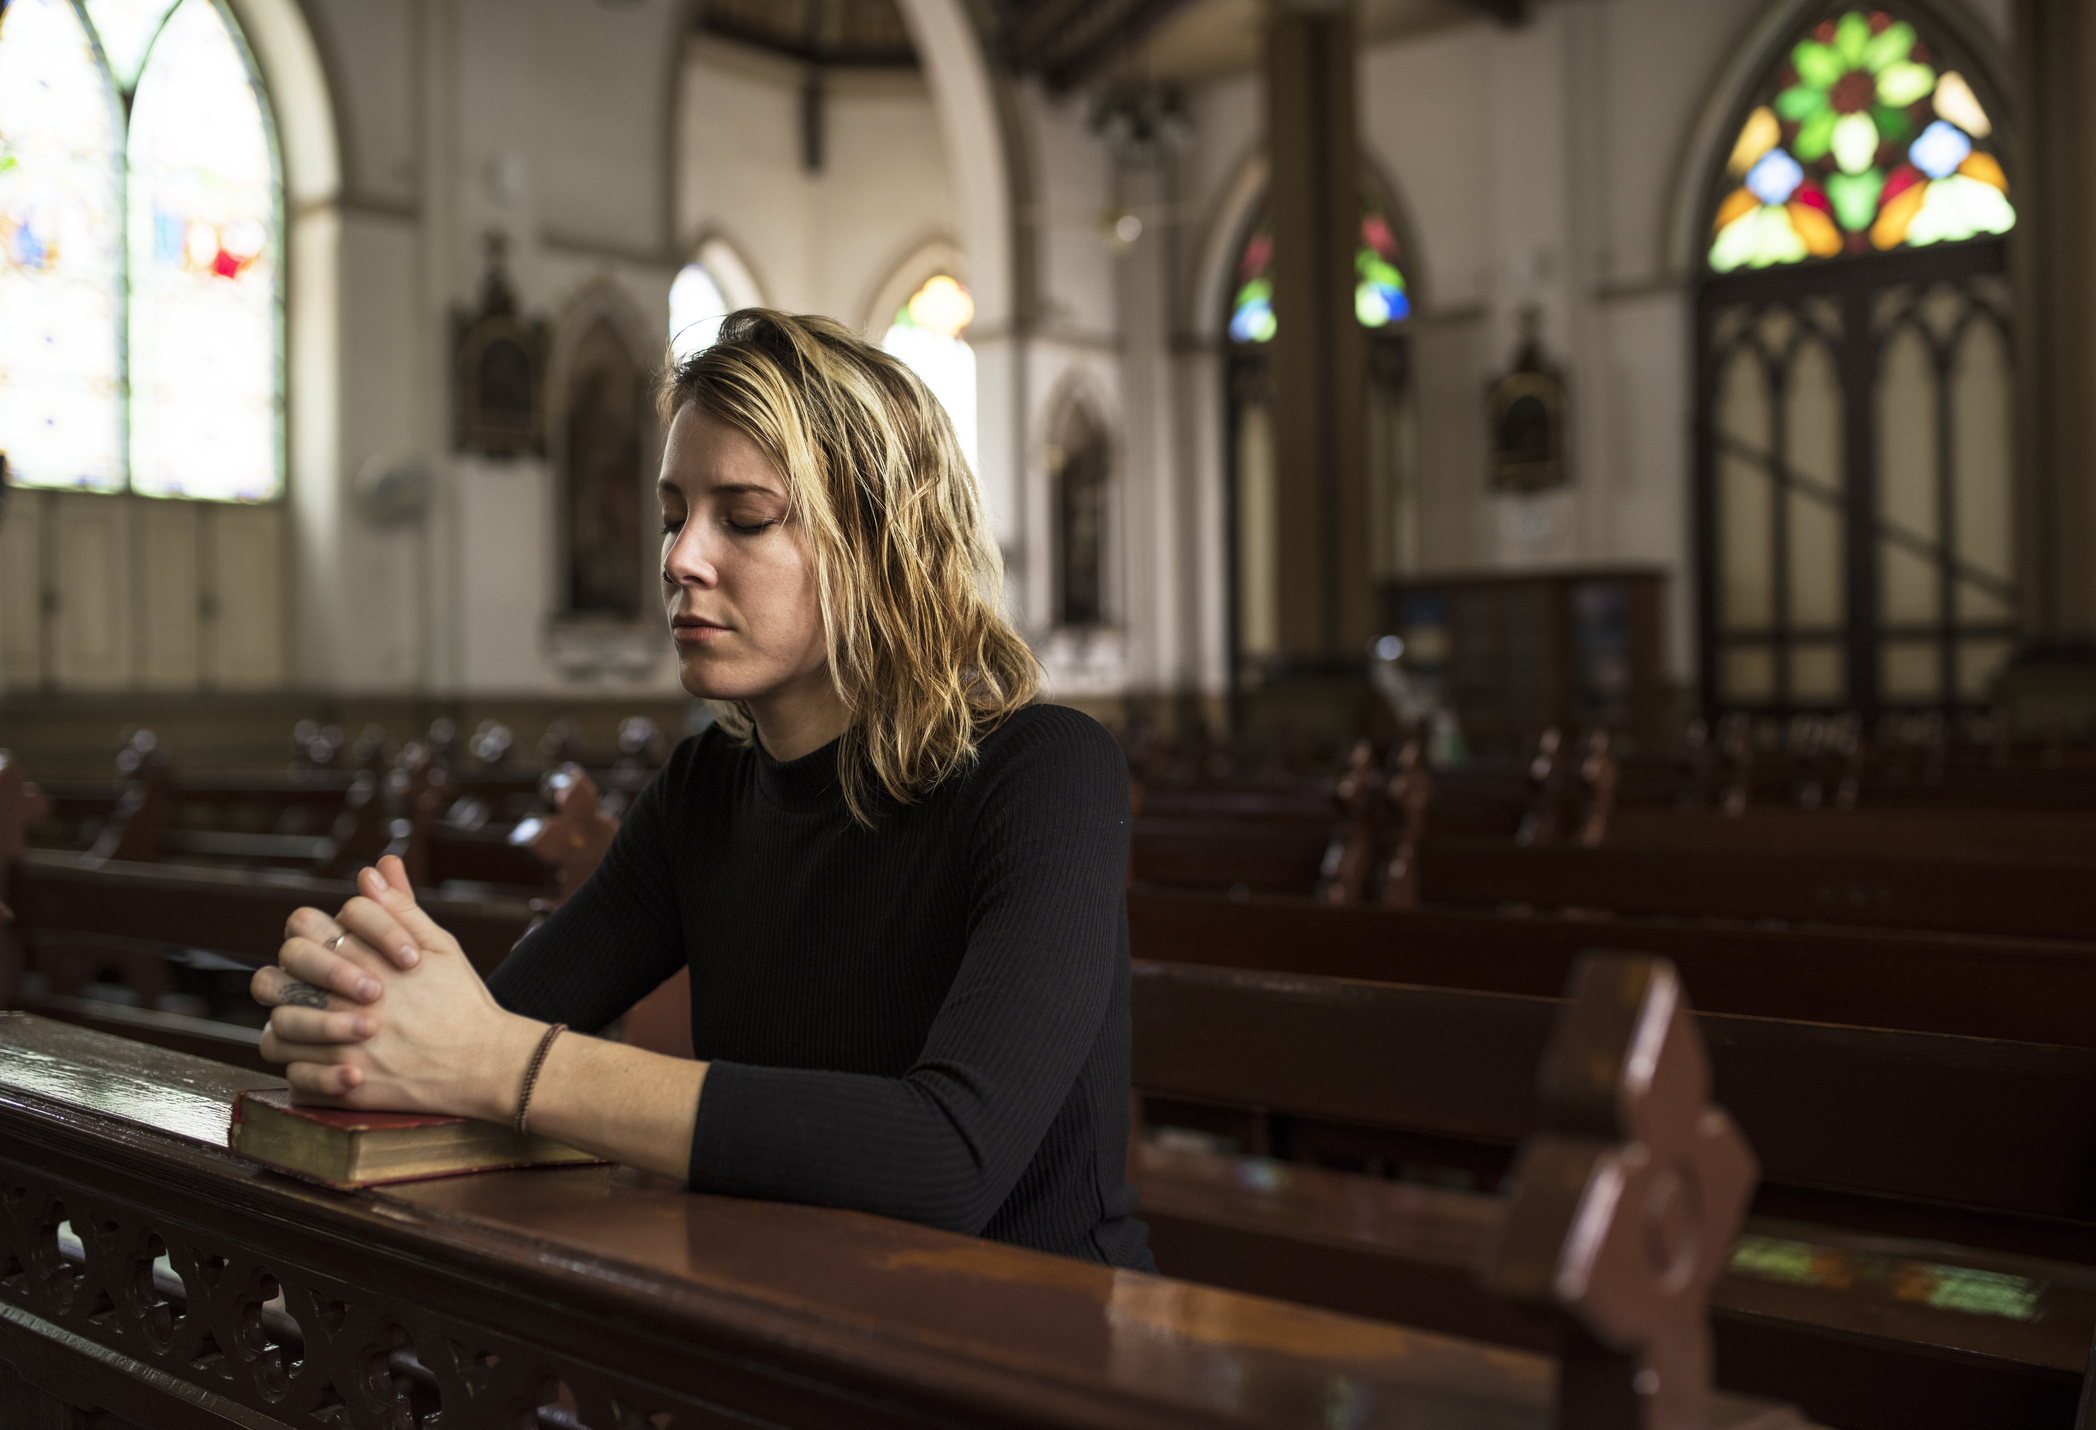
x: 926, y: 259
x: 723, y: 258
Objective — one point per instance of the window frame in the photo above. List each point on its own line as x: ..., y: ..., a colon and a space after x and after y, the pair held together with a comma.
x: 279, y: 239
x: 1856, y: 283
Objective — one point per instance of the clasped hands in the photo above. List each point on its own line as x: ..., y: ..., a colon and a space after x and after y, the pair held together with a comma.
x: 378, y: 1007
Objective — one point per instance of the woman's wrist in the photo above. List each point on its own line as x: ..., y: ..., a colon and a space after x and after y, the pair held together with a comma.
x: 509, y: 1054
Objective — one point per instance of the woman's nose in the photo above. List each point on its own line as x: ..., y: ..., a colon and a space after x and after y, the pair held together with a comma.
x: 687, y: 562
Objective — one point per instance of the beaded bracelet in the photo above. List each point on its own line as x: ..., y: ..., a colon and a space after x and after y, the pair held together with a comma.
x: 531, y: 1073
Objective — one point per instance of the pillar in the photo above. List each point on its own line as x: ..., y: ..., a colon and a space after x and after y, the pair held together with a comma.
x: 1325, y: 600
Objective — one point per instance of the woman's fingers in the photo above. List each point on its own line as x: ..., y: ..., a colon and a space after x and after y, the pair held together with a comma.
x: 305, y: 961
x: 374, y: 922
x: 281, y: 1049
x: 310, y: 1081
x: 387, y: 883
x: 297, y: 1022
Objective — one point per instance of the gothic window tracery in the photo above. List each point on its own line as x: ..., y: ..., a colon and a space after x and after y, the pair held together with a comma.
x: 1383, y: 301
x: 1855, y: 496
x: 141, y: 251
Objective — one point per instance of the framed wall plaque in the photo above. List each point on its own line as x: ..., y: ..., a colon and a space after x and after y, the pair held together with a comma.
x: 498, y: 370
x: 1525, y: 422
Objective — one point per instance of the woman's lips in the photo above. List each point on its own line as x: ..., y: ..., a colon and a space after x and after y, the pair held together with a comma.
x: 695, y: 632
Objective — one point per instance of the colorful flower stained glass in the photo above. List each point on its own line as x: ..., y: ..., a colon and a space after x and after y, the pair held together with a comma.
x: 61, y: 265
x: 696, y: 310
x: 206, y: 408
x: 1379, y: 289
x: 1862, y: 144
x: 926, y: 334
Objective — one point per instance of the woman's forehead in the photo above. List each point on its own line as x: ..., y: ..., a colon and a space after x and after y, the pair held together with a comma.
x: 708, y: 456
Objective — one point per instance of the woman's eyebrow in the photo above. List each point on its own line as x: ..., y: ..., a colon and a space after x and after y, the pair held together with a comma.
x: 746, y: 488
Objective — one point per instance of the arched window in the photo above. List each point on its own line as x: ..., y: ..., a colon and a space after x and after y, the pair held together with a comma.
x: 61, y: 252
x: 1854, y: 485
x: 1379, y: 289
x: 1382, y: 303
x: 146, y: 255
x: 697, y: 306
x: 926, y: 334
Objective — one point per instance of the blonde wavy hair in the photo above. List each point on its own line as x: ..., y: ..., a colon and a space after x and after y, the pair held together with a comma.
x: 910, y: 581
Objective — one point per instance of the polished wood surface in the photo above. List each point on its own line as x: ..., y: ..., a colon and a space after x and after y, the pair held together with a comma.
x: 237, y: 912
x: 1865, y: 1118
x: 1863, y: 1331
x: 1970, y: 894
x: 493, y: 1293
x: 2025, y: 990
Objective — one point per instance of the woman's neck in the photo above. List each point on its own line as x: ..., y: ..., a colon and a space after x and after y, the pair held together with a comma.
x: 800, y: 717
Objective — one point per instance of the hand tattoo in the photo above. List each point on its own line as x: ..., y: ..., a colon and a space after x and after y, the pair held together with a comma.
x: 304, y: 995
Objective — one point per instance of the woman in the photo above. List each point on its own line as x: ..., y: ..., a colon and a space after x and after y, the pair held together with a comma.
x: 897, y: 884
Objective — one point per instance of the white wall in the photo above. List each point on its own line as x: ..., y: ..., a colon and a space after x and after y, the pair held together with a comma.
x: 547, y: 120
x: 821, y: 242
x: 1537, y: 165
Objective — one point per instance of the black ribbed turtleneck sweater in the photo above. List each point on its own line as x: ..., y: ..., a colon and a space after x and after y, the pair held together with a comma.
x: 927, y: 1019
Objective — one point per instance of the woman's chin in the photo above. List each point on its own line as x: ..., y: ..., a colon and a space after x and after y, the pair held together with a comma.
x: 709, y: 678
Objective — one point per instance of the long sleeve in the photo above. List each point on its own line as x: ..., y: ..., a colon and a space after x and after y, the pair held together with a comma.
x: 616, y: 939
x: 1046, y: 951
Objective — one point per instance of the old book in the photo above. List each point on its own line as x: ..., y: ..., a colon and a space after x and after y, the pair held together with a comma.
x: 346, y: 1148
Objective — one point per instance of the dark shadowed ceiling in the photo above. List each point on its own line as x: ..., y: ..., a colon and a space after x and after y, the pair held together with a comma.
x: 1067, y: 42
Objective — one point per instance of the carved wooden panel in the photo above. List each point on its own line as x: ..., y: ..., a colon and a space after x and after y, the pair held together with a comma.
x: 273, y: 1332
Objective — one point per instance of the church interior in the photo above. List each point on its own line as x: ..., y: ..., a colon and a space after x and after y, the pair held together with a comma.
x: 1580, y: 515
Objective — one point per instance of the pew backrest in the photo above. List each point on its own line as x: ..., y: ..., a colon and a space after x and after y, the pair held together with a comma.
x: 240, y: 914
x: 2023, y: 897
x: 2000, y: 1128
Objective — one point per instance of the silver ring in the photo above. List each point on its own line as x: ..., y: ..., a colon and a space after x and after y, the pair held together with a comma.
x: 334, y: 945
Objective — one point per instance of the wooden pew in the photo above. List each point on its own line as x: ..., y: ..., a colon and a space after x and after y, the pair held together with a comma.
x: 2024, y: 990
x: 151, y: 1275
x: 77, y: 919
x: 1990, y: 1395
x: 452, y: 828
x: 1997, y: 896
x: 2038, y: 834
x: 1980, y: 1140
x: 1864, y: 1332
x: 1914, y: 1143
x: 1661, y: 868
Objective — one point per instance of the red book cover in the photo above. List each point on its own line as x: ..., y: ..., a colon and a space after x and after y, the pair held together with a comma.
x: 346, y: 1119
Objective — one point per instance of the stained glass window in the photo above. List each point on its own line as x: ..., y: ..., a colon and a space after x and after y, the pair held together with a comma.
x: 61, y: 265
x: 1380, y: 298
x: 1861, y: 142
x: 926, y: 334
x: 126, y: 29
x: 204, y: 197
x: 140, y: 254
x: 696, y: 309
